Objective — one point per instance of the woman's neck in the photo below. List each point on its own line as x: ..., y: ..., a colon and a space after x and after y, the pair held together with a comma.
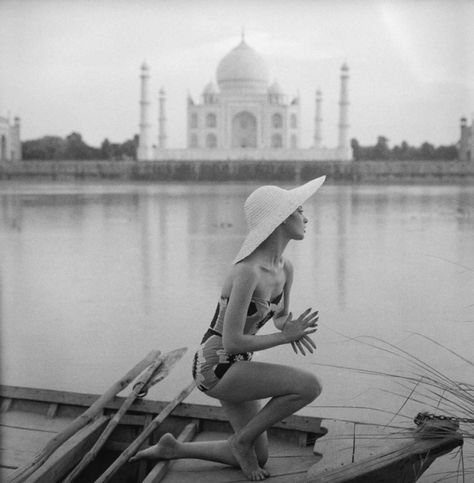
x: 271, y: 250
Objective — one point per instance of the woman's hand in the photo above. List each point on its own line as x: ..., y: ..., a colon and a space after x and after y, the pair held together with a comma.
x: 297, y: 331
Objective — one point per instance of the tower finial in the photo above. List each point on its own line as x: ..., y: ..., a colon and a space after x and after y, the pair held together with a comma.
x: 242, y: 34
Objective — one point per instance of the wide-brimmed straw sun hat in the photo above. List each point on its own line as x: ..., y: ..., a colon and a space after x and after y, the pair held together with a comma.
x: 269, y: 206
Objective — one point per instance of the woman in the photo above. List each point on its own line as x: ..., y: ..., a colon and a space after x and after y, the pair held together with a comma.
x: 256, y: 289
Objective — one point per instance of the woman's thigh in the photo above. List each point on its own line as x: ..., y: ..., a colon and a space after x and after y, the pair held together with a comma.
x: 247, y: 381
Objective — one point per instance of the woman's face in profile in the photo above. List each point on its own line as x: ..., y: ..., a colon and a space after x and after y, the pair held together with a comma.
x: 295, y: 224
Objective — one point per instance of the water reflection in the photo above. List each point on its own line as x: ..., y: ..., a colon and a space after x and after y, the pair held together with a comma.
x: 145, y: 214
x: 95, y: 276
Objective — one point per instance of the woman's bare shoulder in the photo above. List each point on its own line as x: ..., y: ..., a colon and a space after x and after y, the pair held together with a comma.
x: 242, y: 274
x: 246, y: 270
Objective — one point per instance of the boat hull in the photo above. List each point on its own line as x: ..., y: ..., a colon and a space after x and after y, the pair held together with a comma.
x: 343, y: 451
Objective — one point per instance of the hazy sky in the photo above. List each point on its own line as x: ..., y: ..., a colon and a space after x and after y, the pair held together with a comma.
x: 74, y: 65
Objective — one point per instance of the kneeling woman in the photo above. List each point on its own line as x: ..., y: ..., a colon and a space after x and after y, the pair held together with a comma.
x: 256, y: 290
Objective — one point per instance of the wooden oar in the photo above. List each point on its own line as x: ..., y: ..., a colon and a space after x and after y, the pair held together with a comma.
x: 169, y: 361
x: 92, y: 453
x: 132, y: 449
x: 156, y: 372
x: 22, y: 473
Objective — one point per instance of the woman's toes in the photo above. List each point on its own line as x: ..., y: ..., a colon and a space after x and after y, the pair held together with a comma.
x: 259, y: 475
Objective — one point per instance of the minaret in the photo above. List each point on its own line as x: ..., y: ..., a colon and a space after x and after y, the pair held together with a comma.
x: 343, y: 143
x: 463, y: 140
x: 162, y: 121
x: 143, y: 144
x: 16, y: 140
x: 318, y: 120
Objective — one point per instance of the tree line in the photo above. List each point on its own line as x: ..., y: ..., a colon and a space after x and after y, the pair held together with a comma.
x: 403, y: 152
x: 73, y: 147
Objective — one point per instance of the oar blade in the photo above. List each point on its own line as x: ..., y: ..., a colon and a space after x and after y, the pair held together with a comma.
x: 169, y: 360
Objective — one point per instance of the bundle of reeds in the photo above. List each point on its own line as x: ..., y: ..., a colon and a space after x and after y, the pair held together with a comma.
x: 417, y: 383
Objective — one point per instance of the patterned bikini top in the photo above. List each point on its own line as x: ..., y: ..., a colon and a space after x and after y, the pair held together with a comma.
x: 259, y: 312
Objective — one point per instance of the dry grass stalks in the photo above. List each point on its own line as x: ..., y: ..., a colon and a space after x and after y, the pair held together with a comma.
x: 420, y: 384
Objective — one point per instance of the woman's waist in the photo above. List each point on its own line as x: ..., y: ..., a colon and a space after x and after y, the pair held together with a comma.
x: 212, y: 343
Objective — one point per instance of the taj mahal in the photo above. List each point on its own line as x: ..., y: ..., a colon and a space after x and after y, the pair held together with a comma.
x: 242, y: 117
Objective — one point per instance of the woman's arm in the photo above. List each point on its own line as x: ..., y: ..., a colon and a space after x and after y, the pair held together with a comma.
x: 234, y: 340
x: 281, y: 317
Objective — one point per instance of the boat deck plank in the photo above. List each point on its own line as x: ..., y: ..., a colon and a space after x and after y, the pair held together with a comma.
x: 19, y: 445
x: 336, y: 446
x: 24, y: 434
x: 14, y: 458
x: 5, y: 473
x: 347, y: 442
x: 377, y: 452
x: 34, y: 421
x: 286, y: 463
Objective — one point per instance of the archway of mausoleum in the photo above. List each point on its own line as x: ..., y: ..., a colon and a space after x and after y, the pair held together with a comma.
x: 244, y: 130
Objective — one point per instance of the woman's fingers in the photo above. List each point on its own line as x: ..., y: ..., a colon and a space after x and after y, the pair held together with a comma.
x: 309, y: 341
x: 300, y: 347
x: 304, y: 341
x: 312, y: 319
x: 308, y: 317
x: 293, y: 345
x: 302, y: 317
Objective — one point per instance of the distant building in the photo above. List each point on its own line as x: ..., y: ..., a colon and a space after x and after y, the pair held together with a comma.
x: 10, y: 144
x: 466, y: 141
x: 243, y: 117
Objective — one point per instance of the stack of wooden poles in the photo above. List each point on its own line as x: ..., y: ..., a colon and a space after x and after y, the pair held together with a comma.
x: 151, y: 370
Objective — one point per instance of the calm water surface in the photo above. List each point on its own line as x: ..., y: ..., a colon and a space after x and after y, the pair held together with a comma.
x: 94, y: 276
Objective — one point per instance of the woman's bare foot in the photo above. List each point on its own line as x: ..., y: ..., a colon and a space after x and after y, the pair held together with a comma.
x: 165, y: 449
x: 247, y: 459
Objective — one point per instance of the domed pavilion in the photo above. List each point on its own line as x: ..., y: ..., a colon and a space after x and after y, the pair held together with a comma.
x: 244, y: 116
x: 243, y: 111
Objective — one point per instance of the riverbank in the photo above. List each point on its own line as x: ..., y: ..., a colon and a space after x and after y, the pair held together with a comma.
x: 244, y: 170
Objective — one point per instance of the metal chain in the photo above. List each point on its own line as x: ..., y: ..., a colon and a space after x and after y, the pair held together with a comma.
x: 420, y: 417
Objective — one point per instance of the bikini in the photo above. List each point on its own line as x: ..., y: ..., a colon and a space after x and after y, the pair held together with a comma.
x: 211, y: 361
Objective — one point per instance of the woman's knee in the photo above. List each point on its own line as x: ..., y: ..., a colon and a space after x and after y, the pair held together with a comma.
x: 310, y: 386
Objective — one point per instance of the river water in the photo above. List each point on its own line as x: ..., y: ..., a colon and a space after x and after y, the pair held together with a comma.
x: 94, y: 276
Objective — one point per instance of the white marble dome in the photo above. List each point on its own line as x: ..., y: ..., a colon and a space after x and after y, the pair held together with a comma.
x: 275, y: 89
x: 242, y: 70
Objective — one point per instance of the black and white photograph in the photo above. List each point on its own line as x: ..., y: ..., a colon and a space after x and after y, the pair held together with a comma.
x: 237, y: 241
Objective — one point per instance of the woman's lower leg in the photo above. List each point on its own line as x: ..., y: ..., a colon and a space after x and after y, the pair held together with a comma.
x: 168, y: 448
x: 242, y: 442
x: 275, y: 410
x: 289, y: 389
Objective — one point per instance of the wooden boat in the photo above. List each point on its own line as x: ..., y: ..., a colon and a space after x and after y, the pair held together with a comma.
x: 301, y: 448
